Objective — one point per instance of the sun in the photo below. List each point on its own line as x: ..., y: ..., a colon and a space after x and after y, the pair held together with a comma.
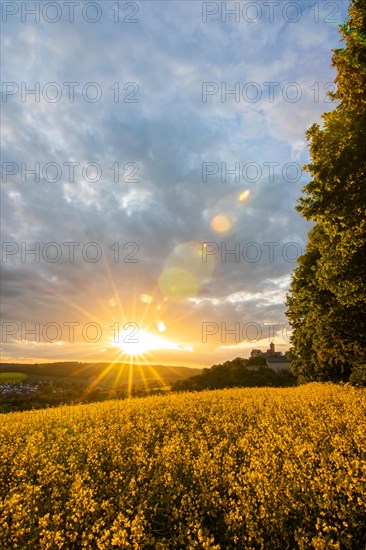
x: 137, y: 342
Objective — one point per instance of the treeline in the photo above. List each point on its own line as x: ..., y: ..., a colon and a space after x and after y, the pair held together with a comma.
x: 236, y: 373
x: 53, y: 393
x: 107, y: 373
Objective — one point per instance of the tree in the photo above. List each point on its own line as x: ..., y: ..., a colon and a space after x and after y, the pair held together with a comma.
x: 327, y: 299
x: 259, y: 360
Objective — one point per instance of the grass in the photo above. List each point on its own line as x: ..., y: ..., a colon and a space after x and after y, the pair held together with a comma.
x: 12, y: 377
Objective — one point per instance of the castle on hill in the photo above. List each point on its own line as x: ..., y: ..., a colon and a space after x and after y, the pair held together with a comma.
x: 271, y: 352
x: 275, y: 360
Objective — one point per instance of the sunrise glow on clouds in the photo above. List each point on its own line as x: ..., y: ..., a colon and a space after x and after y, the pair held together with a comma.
x: 169, y: 195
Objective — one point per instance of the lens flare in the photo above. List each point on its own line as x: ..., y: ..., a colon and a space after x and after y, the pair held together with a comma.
x: 186, y: 270
x: 177, y: 284
x: 146, y: 298
x: 161, y: 326
x: 244, y: 195
x: 221, y: 223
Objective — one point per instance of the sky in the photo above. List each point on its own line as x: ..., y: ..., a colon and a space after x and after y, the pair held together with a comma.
x: 149, y: 181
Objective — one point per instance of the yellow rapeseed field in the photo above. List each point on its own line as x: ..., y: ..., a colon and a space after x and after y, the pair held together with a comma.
x: 238, y: 468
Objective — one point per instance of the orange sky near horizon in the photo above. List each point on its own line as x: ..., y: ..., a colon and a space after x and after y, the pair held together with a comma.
x: 163, y: 326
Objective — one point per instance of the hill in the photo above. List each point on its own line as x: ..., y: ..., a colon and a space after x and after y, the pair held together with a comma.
x: 107, y: 373
x: 34, y: 386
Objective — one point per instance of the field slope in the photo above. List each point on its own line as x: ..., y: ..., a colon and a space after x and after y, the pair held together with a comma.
x: 12, y: 377
x: 239, y: 468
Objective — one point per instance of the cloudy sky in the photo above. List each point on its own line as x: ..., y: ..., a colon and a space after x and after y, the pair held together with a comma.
x: 160, y: 136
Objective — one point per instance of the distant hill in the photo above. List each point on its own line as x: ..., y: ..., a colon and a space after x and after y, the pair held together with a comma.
x: 108, y: 373
x: 251, y: 372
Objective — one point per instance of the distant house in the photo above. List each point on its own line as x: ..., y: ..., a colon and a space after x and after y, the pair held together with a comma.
x: 278, y: 363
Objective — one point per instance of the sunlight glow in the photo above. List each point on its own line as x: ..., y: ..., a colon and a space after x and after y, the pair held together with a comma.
x: 146, y: 298
x: 161, y: 326
x: 142, y: 342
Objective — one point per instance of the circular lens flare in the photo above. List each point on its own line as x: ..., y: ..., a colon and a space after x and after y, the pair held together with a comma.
x: 221, y: 223
x: 186, y: 270
x: 177, y: 284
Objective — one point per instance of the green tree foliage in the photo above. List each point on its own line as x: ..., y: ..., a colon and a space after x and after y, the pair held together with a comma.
x: 236, y: 374
x: 327, y: 300
x: 257, y: 360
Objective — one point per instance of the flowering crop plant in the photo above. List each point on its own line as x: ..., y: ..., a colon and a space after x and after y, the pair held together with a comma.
x: 237, y: 468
